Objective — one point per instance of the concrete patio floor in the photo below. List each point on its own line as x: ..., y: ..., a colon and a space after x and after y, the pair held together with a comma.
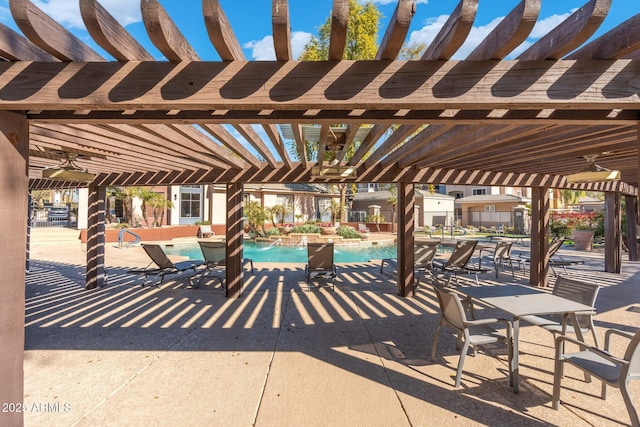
x: 280, y: 355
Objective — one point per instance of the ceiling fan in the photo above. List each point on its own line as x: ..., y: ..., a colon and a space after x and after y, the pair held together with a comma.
x: 68, y: 170
x: 593, y: 172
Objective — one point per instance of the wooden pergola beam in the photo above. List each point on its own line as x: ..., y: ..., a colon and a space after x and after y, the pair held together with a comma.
x: 570, y: 33
x: 396, y: 85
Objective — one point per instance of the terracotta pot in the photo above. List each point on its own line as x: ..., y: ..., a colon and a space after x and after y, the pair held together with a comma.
x: 583, y: 240
x: 328, y: 231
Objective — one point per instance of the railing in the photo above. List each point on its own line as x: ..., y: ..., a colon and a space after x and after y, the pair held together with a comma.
x: 122, y: 243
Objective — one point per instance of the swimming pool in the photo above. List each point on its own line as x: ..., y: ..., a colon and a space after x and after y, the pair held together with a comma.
x: 282, y: 254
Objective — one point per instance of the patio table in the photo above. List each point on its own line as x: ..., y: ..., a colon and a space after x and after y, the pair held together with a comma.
x: 519, y: 300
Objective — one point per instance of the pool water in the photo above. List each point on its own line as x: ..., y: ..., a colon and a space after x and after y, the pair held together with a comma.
x: 281, y: 254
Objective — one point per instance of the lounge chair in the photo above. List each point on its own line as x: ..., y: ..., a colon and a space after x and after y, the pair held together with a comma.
x: 574, y: 290
x: 457, y: 262
x: 215, y: 259
x: 163, y: 265
x: 555, y: 260
x: 471, y: 333
x: 320, y: 263
x: 602, y: 364
x: 205, y: 231
x: 362, y: 228
x: 424, y: 253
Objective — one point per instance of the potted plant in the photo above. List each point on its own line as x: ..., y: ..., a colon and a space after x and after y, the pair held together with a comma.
x: 327, y: 228
x: 583, y: 225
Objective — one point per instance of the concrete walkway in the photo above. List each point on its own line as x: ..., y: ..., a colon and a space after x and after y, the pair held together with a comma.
x: 125, y: 355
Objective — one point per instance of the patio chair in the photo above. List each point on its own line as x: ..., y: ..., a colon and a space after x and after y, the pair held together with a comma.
x: 611, y: 370
x: 555, y: 260
x: 457, y: 262
x: 205, y: 231
x: 501, y: 255
x: 424, y: 253
x: 574, y: 290
x: 164, y: 266
x: 320, y: 263
x: 362, y: 228
x: 215, y: 260
x: 470, y: 333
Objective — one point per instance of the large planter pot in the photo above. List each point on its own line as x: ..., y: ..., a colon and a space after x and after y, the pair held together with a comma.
x: 583, y: 240
x: 328, y: 231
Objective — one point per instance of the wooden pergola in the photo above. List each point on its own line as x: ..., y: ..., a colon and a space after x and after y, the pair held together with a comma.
x: 135, y: 120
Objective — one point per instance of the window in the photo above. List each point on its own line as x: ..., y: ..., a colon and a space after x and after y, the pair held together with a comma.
x: 285, y: 200
x: 323, y: 209
x: 478, y: 191
x: 489, y: 208
x: 190, y: 201
x: 456, y: 194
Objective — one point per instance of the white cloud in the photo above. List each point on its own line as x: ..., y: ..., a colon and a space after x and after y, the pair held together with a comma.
x: 67, y: 12
x: 427, y: 33
x: 475, y: 37
x: 547, y: 24
x: 298, y: 41
x: 262, y: 50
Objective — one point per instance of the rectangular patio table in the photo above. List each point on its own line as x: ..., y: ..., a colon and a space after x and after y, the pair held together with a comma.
x: 519, y: 300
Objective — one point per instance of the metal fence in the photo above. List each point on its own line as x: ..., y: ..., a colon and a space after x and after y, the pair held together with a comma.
x: 55, y: 215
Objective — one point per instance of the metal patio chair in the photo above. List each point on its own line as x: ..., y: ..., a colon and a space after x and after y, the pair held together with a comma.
x: 470, y: 333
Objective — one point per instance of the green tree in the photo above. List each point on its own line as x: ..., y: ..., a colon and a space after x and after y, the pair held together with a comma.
x: 159, y: 205
x: 256, y: 217
x: 362, y: 35
x: 361, y: 44
x: 393, y: 201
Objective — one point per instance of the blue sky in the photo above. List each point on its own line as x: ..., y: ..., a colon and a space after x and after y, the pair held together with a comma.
x: 251, y: 20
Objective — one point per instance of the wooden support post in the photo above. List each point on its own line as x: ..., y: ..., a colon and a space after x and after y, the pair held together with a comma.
x: 234, y: 240
x: 631, y: 207
x: 612, y: 234
x: 539, y: 272
x: 406, y: 226
x: 95, y: 277
x: 14, y: 154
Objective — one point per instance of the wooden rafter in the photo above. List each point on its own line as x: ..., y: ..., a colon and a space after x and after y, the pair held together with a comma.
x: 397, y: 30
x: 220, y: 32
x: 339, y: 21
x: 570, y: 34
x: 164, y: 33
x: 110, y: 35
x: 48, y: 35
x: 509, y: 33
x: 454, y: 32
x: 281, y: 29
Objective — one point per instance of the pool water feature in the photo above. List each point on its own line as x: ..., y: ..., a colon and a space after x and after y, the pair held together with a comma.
x: 298, y: 254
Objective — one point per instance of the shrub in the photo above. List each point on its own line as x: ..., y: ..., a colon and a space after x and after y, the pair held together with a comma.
x: 307, y: 228
x: 348, y: 232
x: 203, y: 222
x: 273, y: 231
x: 560, y: 229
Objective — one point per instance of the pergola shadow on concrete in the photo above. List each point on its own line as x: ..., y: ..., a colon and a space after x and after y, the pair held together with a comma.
x: 131, y: 120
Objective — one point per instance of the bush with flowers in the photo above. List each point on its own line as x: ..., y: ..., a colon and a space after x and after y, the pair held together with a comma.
x: 563, y: 224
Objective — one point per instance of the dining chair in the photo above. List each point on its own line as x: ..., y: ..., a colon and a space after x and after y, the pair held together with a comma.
x: 501, y: 255
x: 470, y: 333
x: 574, y: 290
x: 611, y: 370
